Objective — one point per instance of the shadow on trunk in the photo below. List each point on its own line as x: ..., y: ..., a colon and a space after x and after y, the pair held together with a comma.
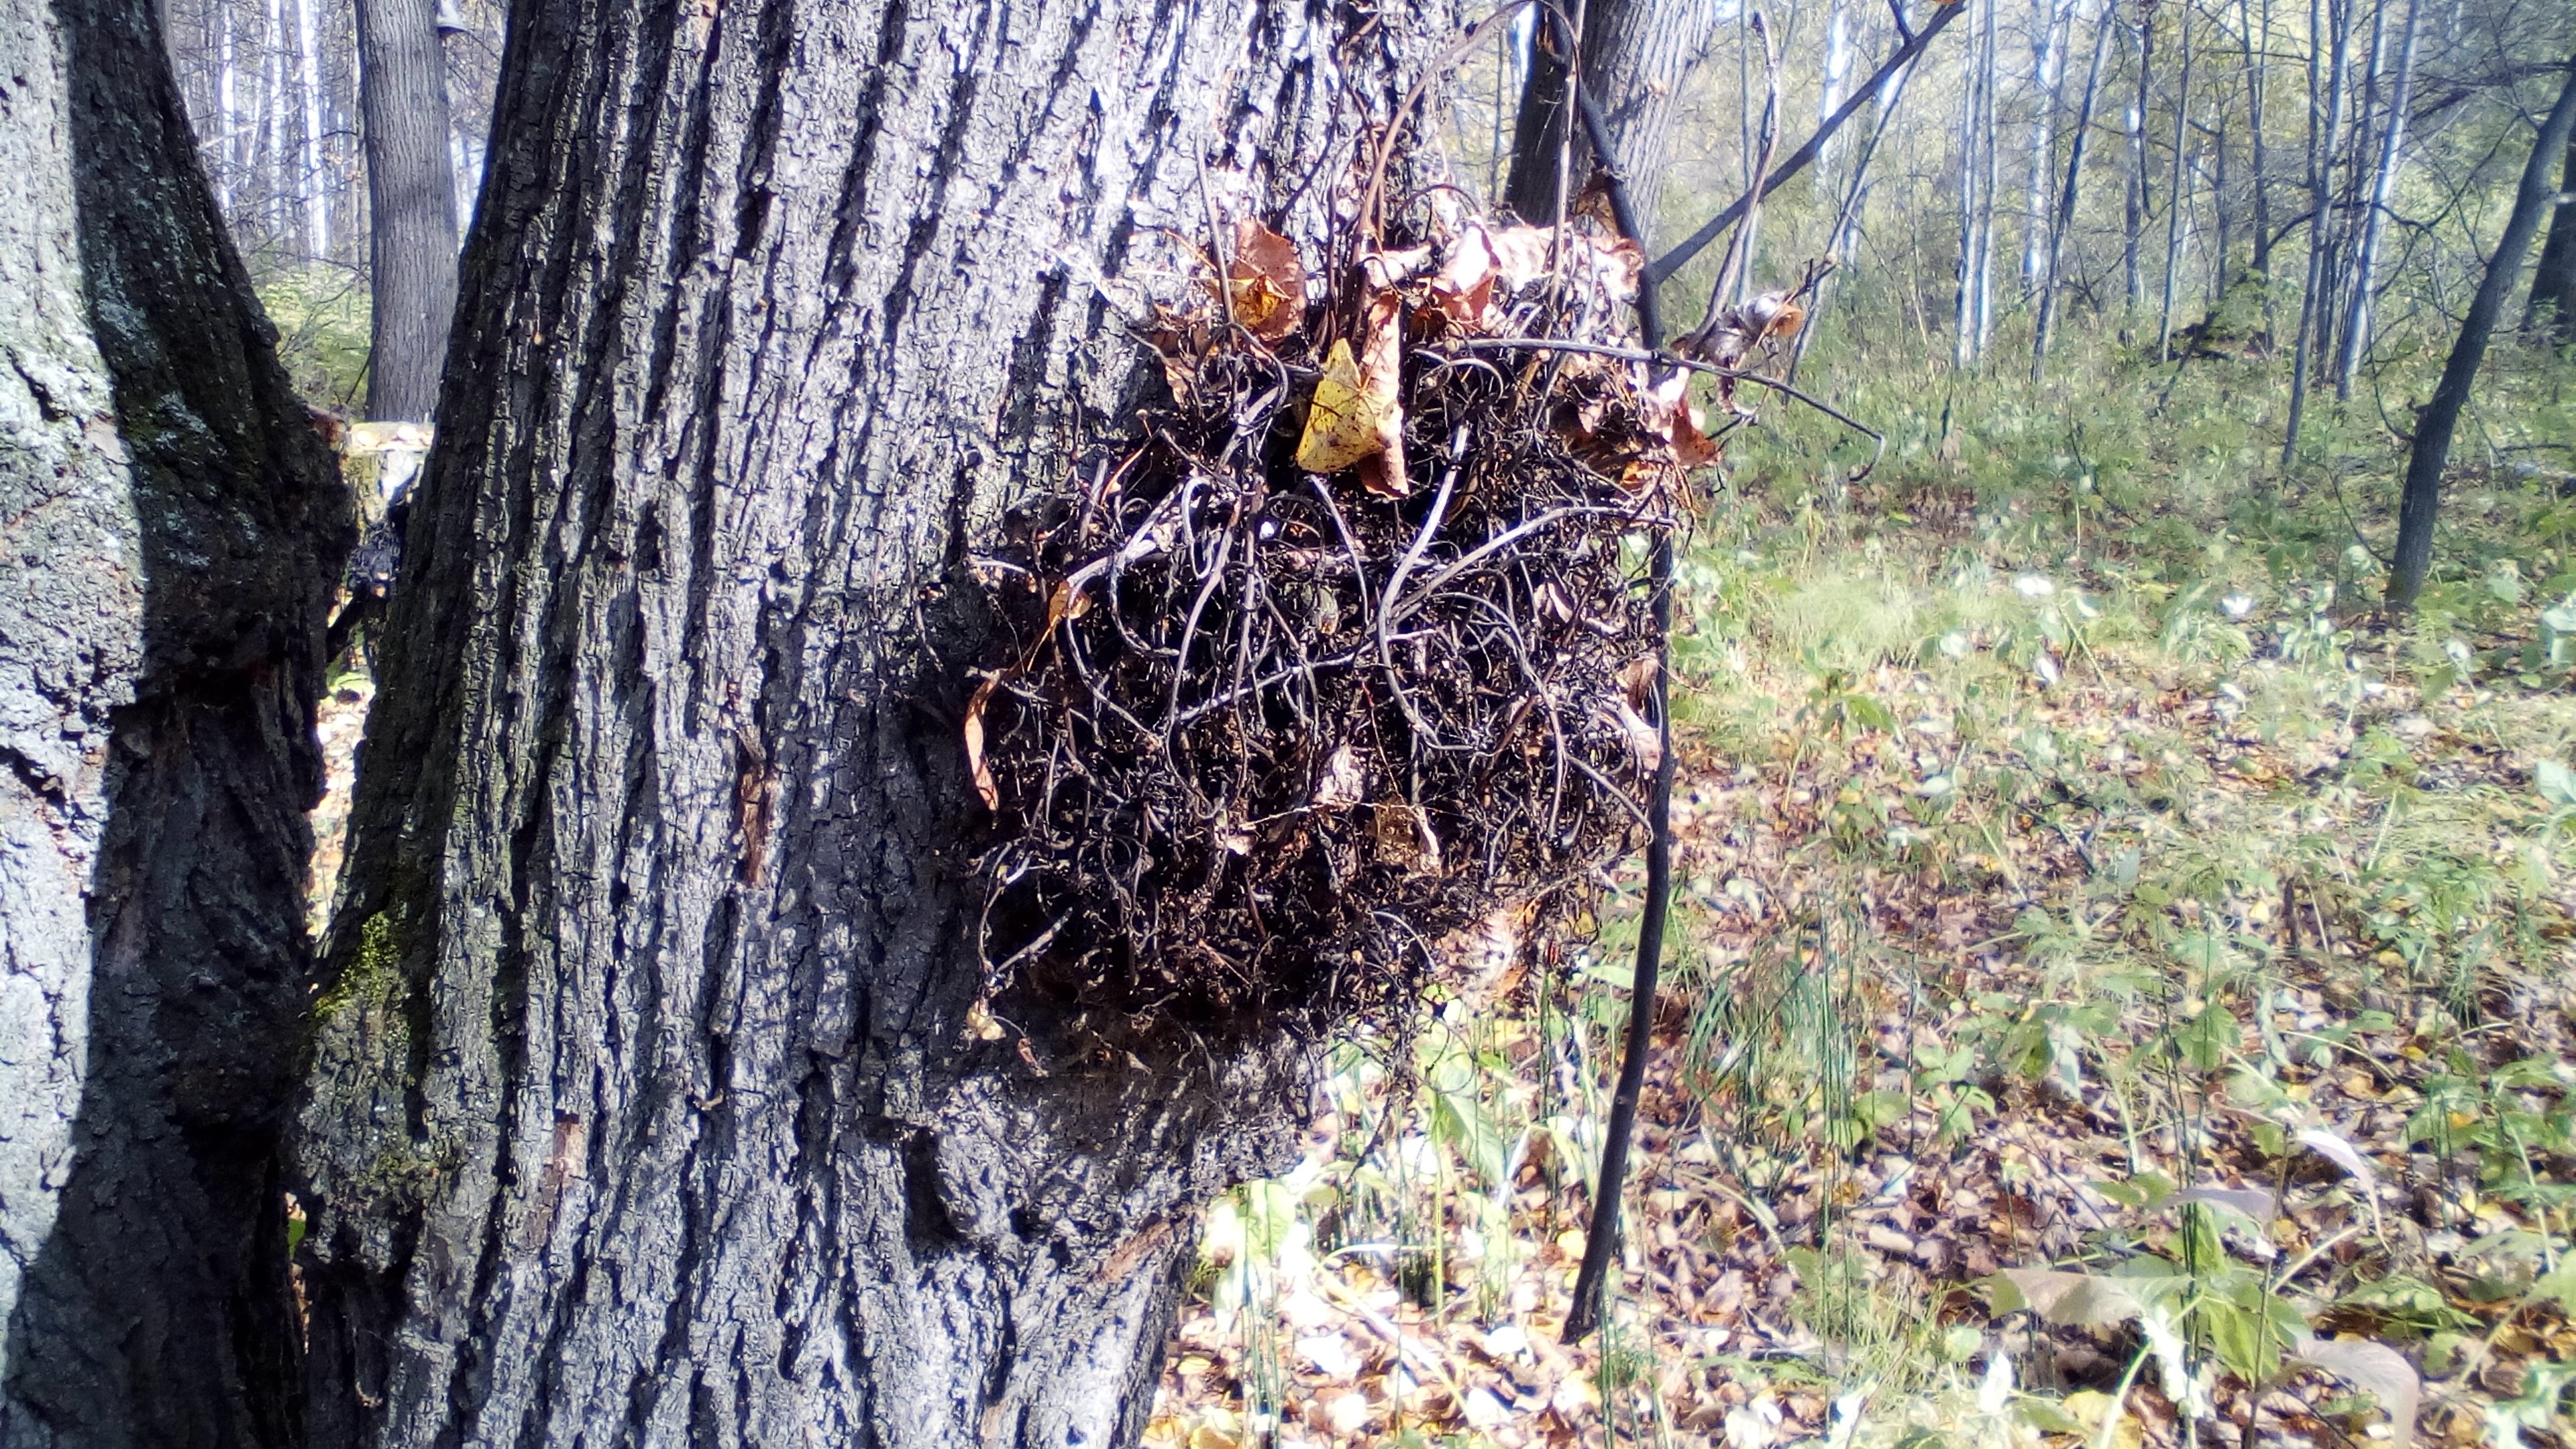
x: 157, y: 1311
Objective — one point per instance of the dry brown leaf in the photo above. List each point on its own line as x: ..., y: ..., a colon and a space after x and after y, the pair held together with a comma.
x: 2373, y: 1366
x: 985, y: 785
x: 1382, y: 385
x: 1520, y: 253
x: 1381, y: 270
x: 1266, y: 281
x: 1692, y: 446
x: 1405, y: 839
x: 1645, y: 742
x: 2068, y: 1299
x: 1638, y: 678
x: 1344, y: 782
x: 1463, y: 289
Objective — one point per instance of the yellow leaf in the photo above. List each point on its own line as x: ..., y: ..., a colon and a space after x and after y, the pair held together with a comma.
x: 1341, y: 426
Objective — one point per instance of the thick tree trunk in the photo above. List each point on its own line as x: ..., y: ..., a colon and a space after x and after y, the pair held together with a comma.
x: 2421, y: 504
x: 172, y: 531
x: 411, y: 195
x: 2553, y: 282
x: 1636, y: 54
x: 644, y: 1109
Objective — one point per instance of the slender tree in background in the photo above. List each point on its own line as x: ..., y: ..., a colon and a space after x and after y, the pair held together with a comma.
x: 2552, y: 303
x: 2383, y: 186
x: 2255, y: 32
x: 2141, y: 198
x: 172, y: 529
x: 2177, y: 189
x: 2069, y: 193
x: 411, y: 196
x: 645, y: 1108
x: 2328, y: 32
x: 2421, y: 504
x: 1912, y: 44
x: 1636, y: 54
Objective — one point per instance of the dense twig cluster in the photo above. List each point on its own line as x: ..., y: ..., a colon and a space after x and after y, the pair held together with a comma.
x: 1266, y: 727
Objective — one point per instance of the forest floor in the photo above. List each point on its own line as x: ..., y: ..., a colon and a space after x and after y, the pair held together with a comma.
x: 2104, y: 984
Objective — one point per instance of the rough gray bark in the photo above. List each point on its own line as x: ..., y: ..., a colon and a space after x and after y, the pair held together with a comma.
x: 643, y: 1109
x: 172, y: 529
x: 2421, y: 504
x: 411, y: 198
x: 1636, y: 54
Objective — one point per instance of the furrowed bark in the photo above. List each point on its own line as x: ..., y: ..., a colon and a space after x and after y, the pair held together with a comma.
x: 644, y: 1108
x: 173, y: 528
x: 411, y: 198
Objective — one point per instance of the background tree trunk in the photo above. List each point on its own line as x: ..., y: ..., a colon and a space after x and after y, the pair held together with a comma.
x: 644, y: 1107
x: 1635, y: 56
x: 2553, y: 281
x: 2421, y: 504
x: 2064, y: 221
x: 173, y: 530
x: 411, y: 195
x: 2383, y: 187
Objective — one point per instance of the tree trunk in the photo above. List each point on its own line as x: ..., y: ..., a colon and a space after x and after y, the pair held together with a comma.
x: 312, y: 188
x: 2328, y: 33
x: 2141, y: 199
x: 2421, y: 503
x: 2067, y: 196
x: 411, y: 196
x: 1636, y: 54
x: 2258, y: 40
x: 2051, y: 21
x: 173, y: 530
x: 2177, y: 192
x: 644, y: 1109
x: 2392, y: 139
x: 2553, y: 283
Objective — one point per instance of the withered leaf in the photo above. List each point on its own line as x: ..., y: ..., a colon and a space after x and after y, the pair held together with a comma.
x: 985, y: 785
x: 1340, y: 429
x: 1405, y: 839
x: 1382, y: 383
x: 1266, y: 281
x: 1344, y: 782
x: 1356, y: 415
